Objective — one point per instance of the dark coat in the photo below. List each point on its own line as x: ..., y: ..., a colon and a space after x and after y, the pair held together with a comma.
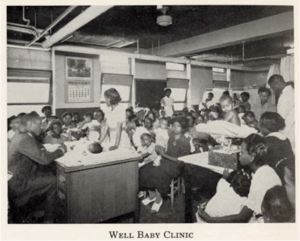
x: 25, y: 154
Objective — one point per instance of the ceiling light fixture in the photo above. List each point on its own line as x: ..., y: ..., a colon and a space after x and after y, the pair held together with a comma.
x: 163, y: 20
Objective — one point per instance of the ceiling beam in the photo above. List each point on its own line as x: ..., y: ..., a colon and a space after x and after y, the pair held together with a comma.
x: 258, y: 29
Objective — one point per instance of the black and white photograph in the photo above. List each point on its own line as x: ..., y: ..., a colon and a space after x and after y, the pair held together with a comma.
x: 150, y: 114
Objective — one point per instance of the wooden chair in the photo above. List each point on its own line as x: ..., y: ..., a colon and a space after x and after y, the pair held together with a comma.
x: 175, y: 188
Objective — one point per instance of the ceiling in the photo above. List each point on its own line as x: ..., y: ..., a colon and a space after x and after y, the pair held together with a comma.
x: 139, y: 22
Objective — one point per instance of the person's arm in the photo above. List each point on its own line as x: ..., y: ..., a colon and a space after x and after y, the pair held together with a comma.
x: 29, y: 148
x: 104, y: 132
x: 284, y: 106
x: 118, y: 136
x: 243, y: 217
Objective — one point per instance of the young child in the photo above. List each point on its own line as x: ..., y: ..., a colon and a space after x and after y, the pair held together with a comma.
x: 230, y: 197
x: 76, y: 118
x: 95, y: 148
x: 199, y: 145
x: 249, y: 119
x: 253, y: 157
x: 161, y: 133
x: 92, y: 127
x: 276, y: 207
x: 241, y: 110
x: 245, y: 96
x: 148, y: 150
x: 227, y: 107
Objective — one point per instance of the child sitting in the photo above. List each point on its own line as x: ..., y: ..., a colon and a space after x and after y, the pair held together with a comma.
x: 227, y: 107
x: 148, y: 150
x: 161, y: 133
x: 91, y: 127
x: 230, y: 197
x: 276, y: 207
x: 249, y: 119
x: 199, y: 145
x: 253, y: 157
x: 245, y: 96
x: 241, y: 110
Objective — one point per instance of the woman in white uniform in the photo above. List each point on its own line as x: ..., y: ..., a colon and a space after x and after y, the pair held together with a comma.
x: 115, y: 119
x: 167, y: 103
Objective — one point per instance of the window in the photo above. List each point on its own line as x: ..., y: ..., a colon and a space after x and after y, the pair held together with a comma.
x: 28, y: 90
x: 179, y: 89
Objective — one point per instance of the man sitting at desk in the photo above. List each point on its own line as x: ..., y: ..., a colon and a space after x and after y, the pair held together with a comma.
x: 28, y: 160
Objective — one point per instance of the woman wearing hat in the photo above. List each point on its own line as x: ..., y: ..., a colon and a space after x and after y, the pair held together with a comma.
x: 56, y: 136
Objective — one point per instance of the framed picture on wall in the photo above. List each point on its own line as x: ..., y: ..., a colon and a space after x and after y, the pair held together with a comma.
x: 79, y: 68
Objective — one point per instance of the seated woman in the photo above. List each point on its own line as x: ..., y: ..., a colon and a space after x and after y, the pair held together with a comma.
x: 56, y: 136
x: 156, y: 179
x: 230, y: 197
x: 148, y: 124
x: 69, y: 126
x: 254, y: 154
x: 152, y: 116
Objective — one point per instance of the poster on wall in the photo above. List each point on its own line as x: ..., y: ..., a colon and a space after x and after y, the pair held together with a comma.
x: 79, y: 91
x: 78, y: 68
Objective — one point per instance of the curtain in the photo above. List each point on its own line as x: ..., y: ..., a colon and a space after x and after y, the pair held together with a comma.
x: 274, y: 69
x: 287, y: 68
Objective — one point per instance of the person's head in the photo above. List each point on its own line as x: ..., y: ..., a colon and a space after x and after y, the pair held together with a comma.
x: 96, y: 115
x: 197, y: 143
x: 163, y: 123
x: 245, y: 96
x: 271, y: 122
x: 15, y: 122
x: 191, y: 120
x: 146, y: 139
x: 67, y: 118
x: 148, y: 122
x: 76, y: 117
x: 226, y: 92
x: 168, y: 92
x: 241, y: 109
x: 180, y: 125
x: 210, y: 96
x: 226, y: 103
x: 95, y: 148
x: 249, y: 117
x: 47, y: 110
x: 129, y: 112
x: 88, y: 117
x: 277, y: 83
x: 276, y: 207
x: 185, y: 110
x: 199, y: 119
x: 133, y: 122
x: 31, y: 123
x: 101, y: 116
x: 112, y: 97
x: 56, y: 127
x: 253, y: 152
x: 213, y: 115
x: 235, y: 96
x: 264, y: 94
x: 241, y: 182
x: 151, y: 115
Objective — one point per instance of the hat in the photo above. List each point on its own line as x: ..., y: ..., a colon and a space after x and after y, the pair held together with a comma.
x: 51, y: 123
x: 65, y: 114
x: 47, y: 107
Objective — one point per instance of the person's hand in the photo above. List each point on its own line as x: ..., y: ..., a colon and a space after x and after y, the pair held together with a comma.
x: 160, y: 150
x: 202, y: 214
x: 113, y: 148
x: 226, y: 173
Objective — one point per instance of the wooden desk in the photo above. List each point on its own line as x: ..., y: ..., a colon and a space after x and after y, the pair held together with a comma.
x: 95, y: 193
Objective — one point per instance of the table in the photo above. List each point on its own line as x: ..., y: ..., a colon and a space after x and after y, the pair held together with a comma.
x: 95, y: 193
x: 195, y: 164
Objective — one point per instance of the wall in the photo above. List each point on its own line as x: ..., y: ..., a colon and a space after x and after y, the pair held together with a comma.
x: 201, y: 78
x: 255, y: 78
x: 237, y: 79
x: 150, y: 70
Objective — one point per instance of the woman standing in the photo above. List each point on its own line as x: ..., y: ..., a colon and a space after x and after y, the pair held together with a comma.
x: 115, y: 120
x: 167, y: 103
x: 156, y: 177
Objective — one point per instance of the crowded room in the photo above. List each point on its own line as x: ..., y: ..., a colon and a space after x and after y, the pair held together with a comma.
x: 150, y: 114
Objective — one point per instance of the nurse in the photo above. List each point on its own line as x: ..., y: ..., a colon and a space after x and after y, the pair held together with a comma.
x: 167, y: 103
x: 115, y: 119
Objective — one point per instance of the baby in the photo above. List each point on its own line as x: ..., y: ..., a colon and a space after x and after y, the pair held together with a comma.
x: 95, y: 148
x: 200, y: 145
x: 227, y: 107
x: 250, y: 120
x: 161, y: 133
x: 92, y: 127
x: 147, y: 149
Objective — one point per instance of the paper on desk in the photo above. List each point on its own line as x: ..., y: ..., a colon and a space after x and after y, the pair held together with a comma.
x: 51, y: 147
